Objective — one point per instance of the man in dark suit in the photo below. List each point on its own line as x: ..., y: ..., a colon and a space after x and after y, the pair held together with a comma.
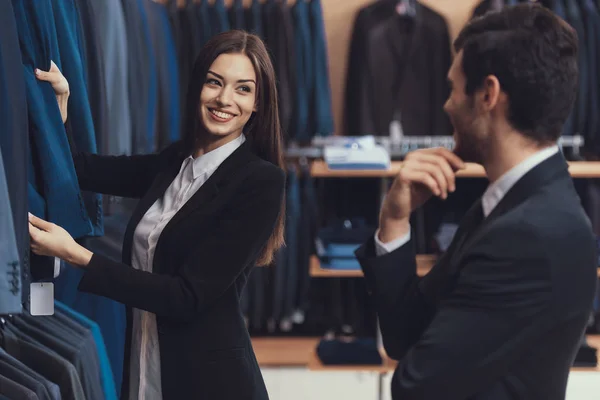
x: 501, y: 315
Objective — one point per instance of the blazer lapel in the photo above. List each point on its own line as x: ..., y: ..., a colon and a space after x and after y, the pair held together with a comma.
x: 158, y: 188
x: 538, y: 177
x: 209, y: 191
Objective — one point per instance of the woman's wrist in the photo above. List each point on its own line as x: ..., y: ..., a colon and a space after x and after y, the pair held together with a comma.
x: 79, y: 256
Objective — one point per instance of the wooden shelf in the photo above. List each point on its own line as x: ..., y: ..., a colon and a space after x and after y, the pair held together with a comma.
x: 284, y: 352
x: 424, y: 263
x: 319, y: 169
x: 301, y: 352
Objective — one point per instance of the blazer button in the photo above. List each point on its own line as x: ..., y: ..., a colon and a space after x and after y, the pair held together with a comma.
x: 160, y: 329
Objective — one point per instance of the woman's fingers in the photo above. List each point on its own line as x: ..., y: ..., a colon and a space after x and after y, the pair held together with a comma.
x: 40, y: 223
x: 51, y: 77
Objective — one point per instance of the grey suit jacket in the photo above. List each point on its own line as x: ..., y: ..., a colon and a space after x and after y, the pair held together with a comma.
x: 15, y: 390
x: 15, y: 370
x: 10, y: 265
x: 113, y: 46
x: 45, y: 361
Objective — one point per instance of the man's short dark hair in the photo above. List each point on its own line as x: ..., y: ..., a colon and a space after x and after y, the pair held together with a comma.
x: 533, y: 53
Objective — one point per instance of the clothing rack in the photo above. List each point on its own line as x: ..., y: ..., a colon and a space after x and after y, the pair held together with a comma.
x: 399, y: 148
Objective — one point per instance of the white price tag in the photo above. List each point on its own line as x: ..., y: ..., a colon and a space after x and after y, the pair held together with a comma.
x: 42, y: 298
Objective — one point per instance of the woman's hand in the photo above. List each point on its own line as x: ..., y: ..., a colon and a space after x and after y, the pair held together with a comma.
x: 60, y: 86
x: 48, y: 239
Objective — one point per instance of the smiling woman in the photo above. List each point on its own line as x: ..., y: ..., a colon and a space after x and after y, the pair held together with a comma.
x: 211, y: 208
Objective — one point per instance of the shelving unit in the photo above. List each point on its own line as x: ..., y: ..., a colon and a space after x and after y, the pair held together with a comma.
x: 424, y: 264
x: 319, y: 169
x: 300, y: 352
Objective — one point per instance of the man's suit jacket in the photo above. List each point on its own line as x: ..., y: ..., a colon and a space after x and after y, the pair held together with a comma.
x: 201, y: 264
x: 501, y: 314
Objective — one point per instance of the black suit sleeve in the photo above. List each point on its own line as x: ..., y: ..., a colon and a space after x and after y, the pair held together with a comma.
x: 394, y: 286
x: 124, y: 176
x: 210, y: 269
x: 491, y: 316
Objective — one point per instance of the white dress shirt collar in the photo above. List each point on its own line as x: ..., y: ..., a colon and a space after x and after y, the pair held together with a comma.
x: 210, y: 161
x: 497, y: 190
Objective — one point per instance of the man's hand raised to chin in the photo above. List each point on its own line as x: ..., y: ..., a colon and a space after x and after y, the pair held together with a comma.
x: 424, y: 173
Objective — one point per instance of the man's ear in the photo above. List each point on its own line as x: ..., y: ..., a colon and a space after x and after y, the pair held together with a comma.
x: 490, y: 92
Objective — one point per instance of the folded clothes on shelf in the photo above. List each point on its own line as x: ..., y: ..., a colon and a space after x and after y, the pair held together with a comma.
x: 357, y: 153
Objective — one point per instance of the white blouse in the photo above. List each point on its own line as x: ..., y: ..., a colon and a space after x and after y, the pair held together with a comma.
x: 144, y: 372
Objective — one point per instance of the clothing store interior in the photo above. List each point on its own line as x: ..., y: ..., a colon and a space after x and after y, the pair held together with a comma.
x: 312, y: 322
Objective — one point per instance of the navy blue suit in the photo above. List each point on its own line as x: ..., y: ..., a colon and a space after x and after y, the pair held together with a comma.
x: 53, y: 188
x: 322, y: 93
x: 304, y: 71
x: 168, y: 87
x: 66, y: 20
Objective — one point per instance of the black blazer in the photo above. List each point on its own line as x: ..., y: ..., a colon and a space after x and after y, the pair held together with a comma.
x: 202, y: 262
x: 501, y: 314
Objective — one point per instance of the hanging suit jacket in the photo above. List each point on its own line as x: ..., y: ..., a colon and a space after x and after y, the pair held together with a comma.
x: 196, y: 281
x: 398, y: 68
x: 10, y: 267
x: 141, y: 89
x: 304, y: 70
x: 53, y: 191
x: 511, y: 289
x: 112, y: 46
x: 322, y: 119
x: 72, y: 66
x: 574, y: 17
x: 168, y: 110
x: 14, y: 151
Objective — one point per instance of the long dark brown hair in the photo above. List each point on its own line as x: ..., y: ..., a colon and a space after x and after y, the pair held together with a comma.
x: 262, y: 129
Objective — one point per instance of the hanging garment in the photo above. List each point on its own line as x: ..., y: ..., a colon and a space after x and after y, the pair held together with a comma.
x: 322, y: 108
x: 168, y: 110
x: 236, y: 15
x: 44, y: 361
x: 92, y: 58
x: 397, y: 72
x: 109, y: 19
x: 304, y: 71
x: 16, y: 371
x: 10, y: 266
x: 54, y: 192
x: 108, y: 383
x: 14, y: 136
x: 80, y: 116
x: 142, y: 81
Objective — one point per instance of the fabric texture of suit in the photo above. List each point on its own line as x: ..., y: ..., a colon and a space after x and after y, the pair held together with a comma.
x: 92, y: 58
x: 45, y: 361
x: 10, y: 271
x: 53, y: 192
x: 322, y: 108
x: 304, y: 71
x: 15, y: 390
x: 140, y: 91
x: 112, y: 47
x: 203, y: 340
x: 72, y: 351
x: 521, y: 282
x: 574, y: 18
x: 279, y: 38
x: 16, y: 371
x: 108, y: 383
x: 71, y: 65
x: 168, y: 110
x: 14, y: 137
